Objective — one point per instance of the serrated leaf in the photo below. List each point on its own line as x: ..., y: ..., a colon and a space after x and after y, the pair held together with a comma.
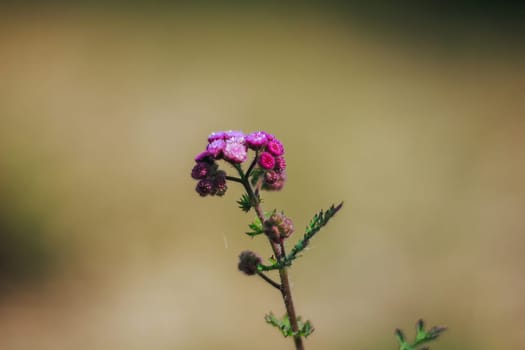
x: 422, y: 336
x: 305, y: 329
x: 245, y: 203
x: 284, y: 325
x: 316, y: 224
x: 256, y: 228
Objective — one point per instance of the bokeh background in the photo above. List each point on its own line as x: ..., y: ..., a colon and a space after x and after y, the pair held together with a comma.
x: 413, y: 114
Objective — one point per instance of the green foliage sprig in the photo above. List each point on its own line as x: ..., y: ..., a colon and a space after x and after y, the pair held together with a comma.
x: 422, y: 336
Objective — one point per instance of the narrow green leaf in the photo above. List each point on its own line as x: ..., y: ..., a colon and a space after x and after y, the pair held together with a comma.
x: 316, y: 224
x: 256, y: 228
x: 282, y: 324
x: 245, y: 203
x: 422, y: 336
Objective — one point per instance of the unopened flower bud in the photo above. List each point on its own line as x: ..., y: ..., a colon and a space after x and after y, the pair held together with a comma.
x: 204, y: 187
x: 270, y: 177
x: 266, y: 160
x: 278, y: 227
x: 280, y: 164
x: 273, y: 181
x: 275, y: 147
x: 200, y: 170
x: 248, y: 262
x: 220, y: 183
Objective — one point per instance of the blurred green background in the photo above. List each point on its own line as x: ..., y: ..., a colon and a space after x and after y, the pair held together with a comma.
x: 411, y: 114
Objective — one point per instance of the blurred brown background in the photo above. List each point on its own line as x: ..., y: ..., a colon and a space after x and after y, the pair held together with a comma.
x: 414, y: 116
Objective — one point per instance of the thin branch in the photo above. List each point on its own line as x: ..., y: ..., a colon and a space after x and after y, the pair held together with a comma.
x: 233, y: 178
x: 269, y: 280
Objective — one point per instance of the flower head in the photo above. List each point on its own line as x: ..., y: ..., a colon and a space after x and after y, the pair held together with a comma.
x: 248, y: 262
x: 200, y: 170
x: 275, y: 147
x: 257, y: 139
x: 216, y: 147
x: 204, y: 187
x: 280, y: 164
x: 278, y: 227
x: 273, y: 180
x: 218, y: 135
x: 235, y: 150
x: 266, y: 160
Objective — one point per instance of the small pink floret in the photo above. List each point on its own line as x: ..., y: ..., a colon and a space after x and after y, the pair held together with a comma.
x: 217, y: 135
x: 234, y: 134
x: 235, y: 151
x: 256, y: 139
x: 216, y: 147
x: 266, y: 160
x: 275, y: 147
x: 280, y: 164
x: 202, y: 156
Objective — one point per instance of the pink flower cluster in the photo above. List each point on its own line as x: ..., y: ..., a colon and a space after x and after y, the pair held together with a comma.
x: 232, y: 146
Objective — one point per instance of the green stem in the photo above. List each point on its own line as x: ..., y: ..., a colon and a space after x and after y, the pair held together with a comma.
x: 233, y: 178
x: 280, y: 255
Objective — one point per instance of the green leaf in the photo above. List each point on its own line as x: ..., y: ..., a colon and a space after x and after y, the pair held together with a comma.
x: 283, y: 324
x: 245, y: 203
x: 305, y: 329
x: 316, y: 224
x: 256, y: 228
x: 422, y: 336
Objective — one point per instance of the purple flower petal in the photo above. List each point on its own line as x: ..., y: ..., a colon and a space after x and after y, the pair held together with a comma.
x: 203, y: 156
x: 234, y: 134
x: 216, y: 147
x: 266, y: 160
x: 256, y: 140
x: 217, y: 135
x: 235, y: 151
x: 275, y: 147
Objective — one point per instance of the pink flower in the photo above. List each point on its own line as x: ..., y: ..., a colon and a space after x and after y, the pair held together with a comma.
x: 216, y: 147
x: 234, y: 134
x: 256, y: 140
x: 203, y: 156
x: 275, y: 147
x: 280, y: 164
x: 235, y: 151
x: 218, y: 135
x: 266, y: 160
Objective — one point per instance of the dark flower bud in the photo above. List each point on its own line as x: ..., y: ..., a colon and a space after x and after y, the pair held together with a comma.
x: 273, y: 181
x: 220, y: 183
x: 204, y: 187
x: 270, y: 177
x: 248, y: 262
x: 200, y: 170
x: 280, y: 164
x: 278, y: 227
